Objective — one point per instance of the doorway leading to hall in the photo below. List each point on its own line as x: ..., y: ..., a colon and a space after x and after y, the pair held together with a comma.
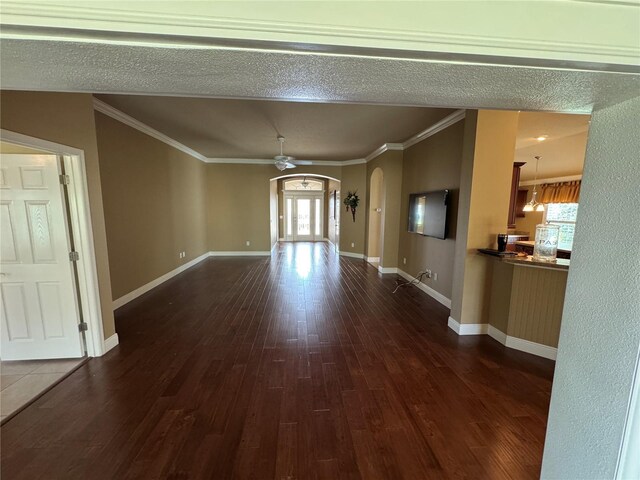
x: 304, y: 209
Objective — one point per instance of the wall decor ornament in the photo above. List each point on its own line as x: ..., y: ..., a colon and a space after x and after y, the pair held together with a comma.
x: 352, y: 201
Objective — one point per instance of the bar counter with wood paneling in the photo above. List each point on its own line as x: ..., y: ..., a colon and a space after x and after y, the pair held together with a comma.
x: 527, y: 298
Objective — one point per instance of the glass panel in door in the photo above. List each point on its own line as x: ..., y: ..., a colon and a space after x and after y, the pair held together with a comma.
x: 303, y: 217
x: 318, y: 220
x: 289, y: 210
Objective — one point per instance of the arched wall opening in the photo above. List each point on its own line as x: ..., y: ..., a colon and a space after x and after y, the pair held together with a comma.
x: 282, y: 219
x: 375, y: 235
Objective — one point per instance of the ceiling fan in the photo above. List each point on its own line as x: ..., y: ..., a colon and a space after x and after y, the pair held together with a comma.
x: 283, y: 161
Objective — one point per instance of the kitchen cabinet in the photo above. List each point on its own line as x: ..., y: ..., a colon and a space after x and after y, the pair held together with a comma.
x: 513, y: 199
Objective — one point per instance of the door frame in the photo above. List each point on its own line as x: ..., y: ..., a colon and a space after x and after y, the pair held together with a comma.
x: 82, y: 231
x: 314, y: 194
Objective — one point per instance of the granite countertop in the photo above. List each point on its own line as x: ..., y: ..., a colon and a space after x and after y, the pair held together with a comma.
x: 528, y: 261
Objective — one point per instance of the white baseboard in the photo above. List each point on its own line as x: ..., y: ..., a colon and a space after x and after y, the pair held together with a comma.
x: 531, y: 347
x: 352, y: 255
x: 427, y: 289
x: 110, y: 343
x: 281, y: 239
x: 382, y: 269
x: 241, y: 254
x: 154, y: 283
x: 523, y: 345
x: 467, y: 328
x: 498, y: 335
x: 373, y: 259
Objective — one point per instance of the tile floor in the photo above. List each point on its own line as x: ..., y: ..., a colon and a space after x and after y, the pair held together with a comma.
x: 21, y: 381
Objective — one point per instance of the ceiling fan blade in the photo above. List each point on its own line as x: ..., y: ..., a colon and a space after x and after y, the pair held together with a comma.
x: 290, y: 165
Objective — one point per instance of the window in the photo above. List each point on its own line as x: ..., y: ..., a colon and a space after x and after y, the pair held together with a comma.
x: 563, y: 215
x: 303, y: 184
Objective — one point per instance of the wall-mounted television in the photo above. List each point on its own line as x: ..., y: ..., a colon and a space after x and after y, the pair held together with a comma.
x: 428, y: 213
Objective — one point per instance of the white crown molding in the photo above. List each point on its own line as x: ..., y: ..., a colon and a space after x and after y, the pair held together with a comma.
x: 122, y: 117
x: 447, y: 121
x: 91, y: 17
x: 381, y: 149
x: 355, y: 161
x: 245, y: 161
x: 266, y: 161
x: 540, y: 181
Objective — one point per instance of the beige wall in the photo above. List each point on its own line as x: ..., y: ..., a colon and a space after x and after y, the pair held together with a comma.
x: 67, y: 119
x: 433, y: 164
x: 273, y: 211
x: 238, y: 209
x: 488, y: 181
x: 154, y: 205
x: 375, y: 201
x: 334, y: 186
x: 354, y: 177
x: 391, y: 164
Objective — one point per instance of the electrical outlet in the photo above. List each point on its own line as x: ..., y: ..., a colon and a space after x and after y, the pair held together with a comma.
x: 184, y: 254
x: 404, y: 260
x: 435, y: 277
x: 248, y: 243
x: 428, y: 273
x: 353, y: 244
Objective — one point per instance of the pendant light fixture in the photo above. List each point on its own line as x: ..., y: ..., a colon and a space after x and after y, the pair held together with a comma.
x: 533, y: 204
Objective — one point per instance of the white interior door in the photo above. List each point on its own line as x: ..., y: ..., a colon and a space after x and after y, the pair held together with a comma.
x: 37, y: 291
x: 303, y: 217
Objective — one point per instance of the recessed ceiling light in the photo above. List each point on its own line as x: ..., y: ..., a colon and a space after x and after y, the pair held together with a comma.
x: 542, y: 138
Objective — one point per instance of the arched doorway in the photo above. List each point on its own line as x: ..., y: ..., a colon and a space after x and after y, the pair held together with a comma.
x: 304, y: 208
x: 375, y: 238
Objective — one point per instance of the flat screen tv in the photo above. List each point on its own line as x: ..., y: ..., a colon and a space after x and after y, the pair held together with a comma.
x: 428, y: 213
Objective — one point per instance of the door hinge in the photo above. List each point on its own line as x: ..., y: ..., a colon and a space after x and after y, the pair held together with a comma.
x: 74, y: 256
x: 83, y: 327
x: 65, y: 180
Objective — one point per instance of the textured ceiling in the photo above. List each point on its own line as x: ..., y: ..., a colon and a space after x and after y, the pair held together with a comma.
x: 563, y: 151
x: 172, y: 69
x: 248, y: 128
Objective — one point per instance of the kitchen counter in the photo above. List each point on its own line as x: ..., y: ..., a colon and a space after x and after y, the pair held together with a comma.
x: 526, y: 302
x: 528, y: 261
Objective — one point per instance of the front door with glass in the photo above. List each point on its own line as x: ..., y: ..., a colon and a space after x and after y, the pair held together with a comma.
x: 303, y: 217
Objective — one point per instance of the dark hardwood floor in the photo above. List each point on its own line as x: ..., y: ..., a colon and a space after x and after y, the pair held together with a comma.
x: 299, y: 366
